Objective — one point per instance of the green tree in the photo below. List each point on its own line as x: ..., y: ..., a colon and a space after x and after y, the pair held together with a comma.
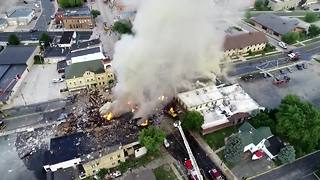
x: 299, y: 122
x: 233, y: 151
x: 261, y: 5
x: 46, y: 39
x: 192, y: 120
x: 13, y: 40
x: 287, y: 154
x: 313, y: 31
x: 310, y: 17
x: 152, y: 138
x: 38, y: 59
x: 70, y: 3
x: 122, y: 27
x: 95, y: 13
x: 290, y: 37
x: 264, y: 118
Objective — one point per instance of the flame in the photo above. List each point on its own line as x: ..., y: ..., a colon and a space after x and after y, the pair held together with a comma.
x: 109, y: 116
x: 171, y: 110
x: 145, y: 122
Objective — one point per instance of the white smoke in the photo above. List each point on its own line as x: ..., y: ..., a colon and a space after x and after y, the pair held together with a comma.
x: 174, y: 41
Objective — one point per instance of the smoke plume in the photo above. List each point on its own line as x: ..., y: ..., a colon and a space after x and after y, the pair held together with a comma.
x: 174, y: 41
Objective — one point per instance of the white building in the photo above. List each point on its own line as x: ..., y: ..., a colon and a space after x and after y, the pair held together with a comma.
x: 260, y: 139
x: 220, y: 106
x: 20, y: 16
x: 90, y: 54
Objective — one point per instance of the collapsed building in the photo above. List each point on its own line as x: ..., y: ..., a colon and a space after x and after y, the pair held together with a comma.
x: 221, y: 106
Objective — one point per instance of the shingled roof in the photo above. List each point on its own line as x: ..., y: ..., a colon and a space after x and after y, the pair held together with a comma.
x: 78, y: 69
x: 244, y: 40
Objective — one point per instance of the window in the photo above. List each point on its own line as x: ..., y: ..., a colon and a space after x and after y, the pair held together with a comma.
x: 118, y: 155
x: 98, y: 78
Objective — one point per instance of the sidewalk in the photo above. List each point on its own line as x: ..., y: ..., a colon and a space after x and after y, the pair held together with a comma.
x: 214, y: 157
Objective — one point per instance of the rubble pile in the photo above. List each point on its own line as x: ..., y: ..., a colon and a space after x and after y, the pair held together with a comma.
x: 85, y: 117
x: 29, y: 142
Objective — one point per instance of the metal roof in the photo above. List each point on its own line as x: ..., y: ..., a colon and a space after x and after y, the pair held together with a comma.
x: 66, y: 37
x: 85, y: 52
x: 56, y: 52
x: 16, y: 54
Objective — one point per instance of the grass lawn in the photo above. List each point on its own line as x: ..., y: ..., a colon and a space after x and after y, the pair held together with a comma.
x: 164, y: 173
x: 216, y: 139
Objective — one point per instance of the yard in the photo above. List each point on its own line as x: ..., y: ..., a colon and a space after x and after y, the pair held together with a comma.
x: 164, y: 172
x: 216, y: 139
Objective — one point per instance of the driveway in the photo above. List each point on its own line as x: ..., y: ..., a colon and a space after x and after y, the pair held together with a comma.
x: 248, y: 167
x: 38, y: 87
x: 300, y: 169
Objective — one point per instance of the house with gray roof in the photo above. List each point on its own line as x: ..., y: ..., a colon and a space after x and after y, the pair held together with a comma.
x: 15, y: 62
x: 260, y: 139
x: 278, y: 26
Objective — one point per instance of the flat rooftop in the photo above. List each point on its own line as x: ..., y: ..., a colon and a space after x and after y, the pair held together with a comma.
x: 216, y: 104
x: 21, y: 12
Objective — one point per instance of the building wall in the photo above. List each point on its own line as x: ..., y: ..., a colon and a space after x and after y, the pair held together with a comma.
x: 253, y: 148
x: 88, y: 57
x: 267, y: 30
x: 90, y: 79
x: 244, y: 51
x: 53, y: 60
x: 84, y: 22
x: 107, y: 161
x: 63, y: 165
x: 20, y: 20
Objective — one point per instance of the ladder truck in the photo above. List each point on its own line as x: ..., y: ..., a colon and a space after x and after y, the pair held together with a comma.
x: 276, y: 80
x: 193, y: 168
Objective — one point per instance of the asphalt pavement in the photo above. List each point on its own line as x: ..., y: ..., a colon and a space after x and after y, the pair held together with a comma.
x: 306, y: 53
x: 301, y: 169
x: 27, y: 36
x: 47, y: 10
x: 179, y: 152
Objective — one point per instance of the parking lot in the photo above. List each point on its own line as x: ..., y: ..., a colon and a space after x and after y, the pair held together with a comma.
x: 38, y: 86
x: 303, y: 83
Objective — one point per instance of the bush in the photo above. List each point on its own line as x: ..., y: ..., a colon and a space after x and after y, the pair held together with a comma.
x: 122, y: 27
x: 70, y: 3
x: 311, y: 17
x: 13, y: 40
x: 290, y: 37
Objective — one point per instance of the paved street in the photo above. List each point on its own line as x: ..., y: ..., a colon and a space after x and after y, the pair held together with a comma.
x: 47, y: 12
x: 178, y: 151
x: 26, y: 36
x: 250, y: 65
x: 108, y: 39
x: 300, y: 169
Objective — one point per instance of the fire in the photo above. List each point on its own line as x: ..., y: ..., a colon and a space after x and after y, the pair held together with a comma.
x: 145, y: 123
x: 109, y: 116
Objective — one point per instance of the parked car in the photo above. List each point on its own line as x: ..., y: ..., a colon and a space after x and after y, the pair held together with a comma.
x: 294, y: 56
x: 304, y: 66
x: 33, y: 30
x: 215, y: 174
x: 299, y: 67
x: 58, y: 80
x: 166, y: 143
x: 282, y: 44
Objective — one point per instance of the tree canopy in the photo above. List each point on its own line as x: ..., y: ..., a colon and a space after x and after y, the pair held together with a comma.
x: 192, y: 120
x: 299, y: 122
x: 313, y: 31
x: 152, y: 138
x: 287, y: 154
x: 46, y: 39
x: 295, y: 121
x: 262, y: 5
x: 13, y: 40
x: 311, y: 17
x: 122, y: 27
x: 290, y: 37
x: 233, y: 151
x: 70, y: 3
x: 95, y: 13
